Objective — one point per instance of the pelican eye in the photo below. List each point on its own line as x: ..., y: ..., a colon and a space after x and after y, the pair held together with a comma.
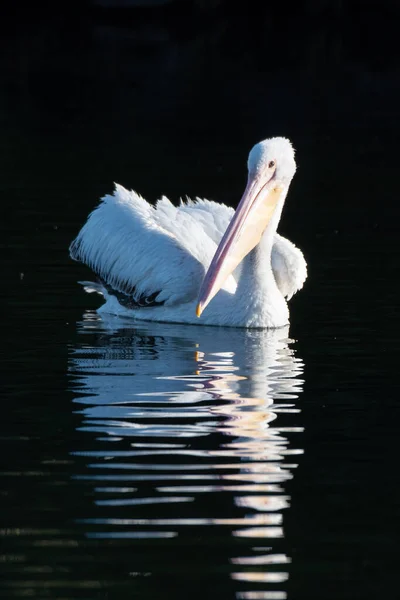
x: 271, y: 164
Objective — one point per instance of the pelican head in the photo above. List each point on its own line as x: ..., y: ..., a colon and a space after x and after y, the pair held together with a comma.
x: 271, y: 167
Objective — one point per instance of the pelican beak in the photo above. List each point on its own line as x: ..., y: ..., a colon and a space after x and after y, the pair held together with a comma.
x: 244, y: 232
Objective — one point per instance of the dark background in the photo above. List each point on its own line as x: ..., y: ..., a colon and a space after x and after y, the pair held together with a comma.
x: 168, y: 100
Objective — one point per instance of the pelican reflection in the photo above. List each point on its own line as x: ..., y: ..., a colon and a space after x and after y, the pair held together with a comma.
x: 188, y: 428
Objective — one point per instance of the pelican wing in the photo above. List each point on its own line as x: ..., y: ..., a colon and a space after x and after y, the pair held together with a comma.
x: 288, y: 265
x: 213, y: 217
x: 152, y: 255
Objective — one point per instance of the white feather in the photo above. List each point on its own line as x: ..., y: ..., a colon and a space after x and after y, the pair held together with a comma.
x: 141, y: 250
x: 213, y: 217
x: 288, y: 265
x: 123, y: 243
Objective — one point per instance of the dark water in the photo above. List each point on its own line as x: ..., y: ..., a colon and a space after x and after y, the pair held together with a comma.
x: 149, y: 461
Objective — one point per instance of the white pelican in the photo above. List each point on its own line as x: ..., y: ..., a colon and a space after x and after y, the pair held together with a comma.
x: 167, y: 263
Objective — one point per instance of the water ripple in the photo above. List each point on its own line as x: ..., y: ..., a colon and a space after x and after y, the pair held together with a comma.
x: 188, y: 414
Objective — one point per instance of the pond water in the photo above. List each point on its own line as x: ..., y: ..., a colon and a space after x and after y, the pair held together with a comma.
x: 163, y: 461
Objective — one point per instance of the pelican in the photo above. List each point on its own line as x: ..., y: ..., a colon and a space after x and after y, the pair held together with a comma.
x: 200, y: 262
